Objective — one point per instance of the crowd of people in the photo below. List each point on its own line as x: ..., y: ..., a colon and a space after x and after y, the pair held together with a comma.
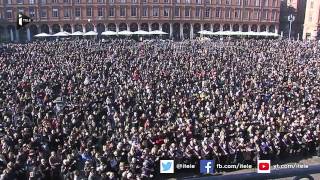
x: 83, y: 109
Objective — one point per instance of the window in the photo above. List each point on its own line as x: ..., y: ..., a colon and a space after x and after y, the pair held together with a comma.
x: 228, y: 13
x: 218, y: 1
x: 65, y: 1
x: 166, y: 1
x: 246, y: 14
x: 145, y: 11
x: 19, y: 1
x: 207, y: 1
x: 311, y: 4
x: 218, y: 12
x: 55, y: 12
x: 245, y: 2
x: 187, y: 12
x: 32, y: 12
x: 9, y: 14
x: 134, y: 1
x: 89, y: 1
x: 66, y: 12
x: 77, y: 12
x: 166, y: 12
x: 198, y: 1
x: 122, y: 11
x: 239, y: 2
x: 100, y: 1
x: 31, y: 1
x: 177, y: 1
x: 144, y: 1
x: 111, y: 1
x: 228, y: 2
x: 257, y: 2
x: 198, y: 12
x: 123, y: 1
x: 237, y: 13
x: 155, y: 1
x: 265, y: 14
x: 55, y: 1
x: 111, y: 11
x: 274, y: 15
x: 89, y: 11
x: 177, y: 11
x: 155, y: 11
x: 20, y: 10
x: 133, y: 11
x: 187, y: 1
x: 274, y: 3
x: 256, y: 14
x: 8, y: 2
x: 100, y: 11
x: 265, y: 2
x: 43, y: 12
x: 77, y: 1
x: 207, y: 12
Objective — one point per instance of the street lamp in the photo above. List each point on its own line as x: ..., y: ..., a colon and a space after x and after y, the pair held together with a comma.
x: 291, y: 18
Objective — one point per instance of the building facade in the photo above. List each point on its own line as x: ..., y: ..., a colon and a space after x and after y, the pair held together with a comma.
x: 312, y: 20
x: 298, y: 9
x: 179, y: 18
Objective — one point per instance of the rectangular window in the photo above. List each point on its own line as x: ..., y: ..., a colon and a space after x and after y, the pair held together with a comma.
x: 239, y: 2
x: 31, y: 1
x: 122, y: 11
x: 188, y: 2
x: 228, y: 2
x: 145, y: 11
x: 43, y: 1
x: 77, y: 12
x: 228, y: 13
x: 177, y: 1
x: 265, y: 14
x: 43, y: 12
x: 218, y: 12
x: 100, y: 1
x: 166, y: 1
x: 111, y: 1
x: 32, y: 12
x: 187, y: 12
x: 100, y: 11
x: 65, y: 1
x: 177, y: 11
x: 20, y: 10
x: 155, y: 1
x: 55, y: 1
x: 133, y: 1
x: 274, y: 3
x: 155, y: 11
x: 274, y: 15
x: 311, y: 4
x: 257, y: 2
x: 246, y: 14
x: 55, y: 12
x: 256, y: 14
x: 133, y: 11
x: 218, y: 1
x: 89, y: 1
x: 207, y: 12
x: 265, y: 2
x: 8, y: 2
x: 111, y: 11
x: 122, y: 1
x: 166, y: 12
x: 198, y: 12
x: 237, y: 13
x: 207, y: 1
x: 245, y: 2
x: 9, y: 14
x: 89, y: 11
x: 198, y: 1
x: 66, y: 12
x: 144, y: 1
x: 19, y: 1
x: 77, y: 1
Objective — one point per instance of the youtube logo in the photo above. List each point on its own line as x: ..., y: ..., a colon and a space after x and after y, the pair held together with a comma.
x: 264, y: 166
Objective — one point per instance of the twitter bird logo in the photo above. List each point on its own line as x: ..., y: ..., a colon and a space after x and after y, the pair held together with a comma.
x: 166, y: 166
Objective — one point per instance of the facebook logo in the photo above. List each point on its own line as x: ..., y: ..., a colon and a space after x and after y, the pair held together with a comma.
x: 206, y: 166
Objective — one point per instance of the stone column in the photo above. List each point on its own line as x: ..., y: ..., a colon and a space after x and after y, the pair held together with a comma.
x: 211, y: 27
x: 249, y: 27
x: 83, y: 28
x: 276, y: 30
x: 149, y: 27
x: 191, y: 31
x: 267, y: 28
x: 128, y: 27
x: 181, y: 31
x: 72, y: 28
x: 160, y: 27
x: 28, y: 34
x: 221, y: 27
x: 258, y: 28
x: 50, y: 29
x: 240, y: 28
x: 95, y: 28
x: 171, y: 30
x: 139, y: 27
x: 201, y: 27
x: 61, y: 28
x: 11, y: 35
x: 117, y: 27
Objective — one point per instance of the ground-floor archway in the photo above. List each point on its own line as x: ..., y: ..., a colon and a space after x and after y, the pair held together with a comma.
x: 186, y: 30
x: 154, y: 26
x: 55, y: 28
x: 67, y: 28
x: 133, y: 27
x: 111, y: 27
x: 44, y: 28
x: 176, y: 31
x: 166, y: 28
